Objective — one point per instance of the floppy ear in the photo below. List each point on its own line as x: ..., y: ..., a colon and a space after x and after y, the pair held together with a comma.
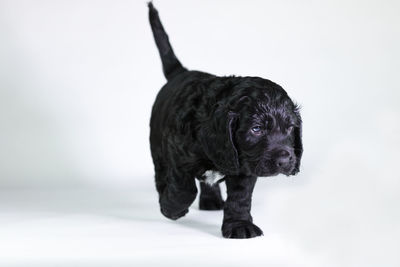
x: 298, y: 146
x: 218, y: 141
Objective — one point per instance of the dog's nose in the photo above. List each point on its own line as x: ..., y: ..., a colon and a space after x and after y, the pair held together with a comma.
x: 284, y: 159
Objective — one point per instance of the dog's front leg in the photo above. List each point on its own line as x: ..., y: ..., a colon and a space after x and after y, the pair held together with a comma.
x: 238, y: 222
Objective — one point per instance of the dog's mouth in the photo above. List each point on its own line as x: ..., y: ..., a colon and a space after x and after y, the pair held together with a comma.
x: 294, y: 171
x: 270, y: 174
x: 289, y: 171
x: 269, y: 169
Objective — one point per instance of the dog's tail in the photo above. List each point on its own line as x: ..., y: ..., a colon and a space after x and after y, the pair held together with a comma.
x: 171, y: 64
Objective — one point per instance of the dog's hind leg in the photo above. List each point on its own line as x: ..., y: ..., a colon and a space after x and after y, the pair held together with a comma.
x: 210, y: 197
x: 177, y: 195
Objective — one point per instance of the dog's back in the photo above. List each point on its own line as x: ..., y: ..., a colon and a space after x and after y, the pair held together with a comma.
x: 168, y: 103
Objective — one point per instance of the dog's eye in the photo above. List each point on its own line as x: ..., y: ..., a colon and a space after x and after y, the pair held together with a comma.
x: 290, y: 129
x: 256, y: 130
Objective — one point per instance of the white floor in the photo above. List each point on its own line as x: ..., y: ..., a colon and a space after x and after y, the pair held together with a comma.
x: 94, y: 226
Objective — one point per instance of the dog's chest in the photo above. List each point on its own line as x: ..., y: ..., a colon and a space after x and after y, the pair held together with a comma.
x: 211, y: 177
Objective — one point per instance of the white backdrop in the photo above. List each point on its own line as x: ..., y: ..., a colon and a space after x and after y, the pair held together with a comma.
x: 78, y: 79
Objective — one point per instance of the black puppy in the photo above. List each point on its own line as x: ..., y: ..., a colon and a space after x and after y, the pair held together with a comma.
x: 209, y: 128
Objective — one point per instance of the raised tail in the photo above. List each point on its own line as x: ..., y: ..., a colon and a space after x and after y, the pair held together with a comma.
x: 171, y: 64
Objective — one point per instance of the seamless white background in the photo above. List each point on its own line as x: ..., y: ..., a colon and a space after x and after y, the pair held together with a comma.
x: 77, y: 82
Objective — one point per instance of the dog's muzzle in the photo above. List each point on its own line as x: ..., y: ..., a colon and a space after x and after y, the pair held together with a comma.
x: 285, y: 161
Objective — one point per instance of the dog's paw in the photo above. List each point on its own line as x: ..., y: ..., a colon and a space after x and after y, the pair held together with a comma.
x: 174, y: 216
x: 211, y: 204
x: 240, y: 229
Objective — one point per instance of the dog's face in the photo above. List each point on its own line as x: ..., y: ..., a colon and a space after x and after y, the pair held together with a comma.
x: 256, y: 131
x: 267, y: 134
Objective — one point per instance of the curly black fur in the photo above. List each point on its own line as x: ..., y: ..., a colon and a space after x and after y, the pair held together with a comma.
x: 240, y: 127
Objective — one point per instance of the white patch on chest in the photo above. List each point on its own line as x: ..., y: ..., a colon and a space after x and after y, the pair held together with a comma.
x: 212, y: 177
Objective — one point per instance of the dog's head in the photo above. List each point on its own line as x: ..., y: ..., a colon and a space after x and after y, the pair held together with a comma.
x: 255, y: 130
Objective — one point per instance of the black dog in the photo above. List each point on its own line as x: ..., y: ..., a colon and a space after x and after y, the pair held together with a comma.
x: 209, y: 127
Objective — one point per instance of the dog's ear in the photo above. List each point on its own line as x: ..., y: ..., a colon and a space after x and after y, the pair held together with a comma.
x: 298, y: 146
x: 217, y: 138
